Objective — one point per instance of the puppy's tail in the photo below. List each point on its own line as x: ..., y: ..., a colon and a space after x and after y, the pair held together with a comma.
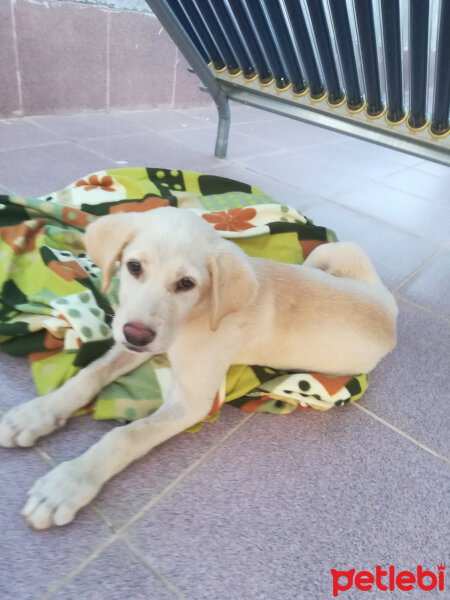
x: 343, y: 259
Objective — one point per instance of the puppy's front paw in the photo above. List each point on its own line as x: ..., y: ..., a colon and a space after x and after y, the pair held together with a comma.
x: 58, y: 496
x: 24, y: 424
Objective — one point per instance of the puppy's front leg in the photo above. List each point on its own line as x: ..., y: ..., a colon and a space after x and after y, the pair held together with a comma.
x: 57, y: 497
x: 24, y: 424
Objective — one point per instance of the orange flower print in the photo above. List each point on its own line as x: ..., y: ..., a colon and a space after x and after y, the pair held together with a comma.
x: 93, y: 182
x: 22, y: 238
x: 215, y: 407
x: 309, y: 245
x: 235, y: 219
x: 51, y: 342
x: 147, y: 204
x: 68, y: 270
x: 73, y: 216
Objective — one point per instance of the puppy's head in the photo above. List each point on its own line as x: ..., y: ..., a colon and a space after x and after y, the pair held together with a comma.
x: 173, y: 266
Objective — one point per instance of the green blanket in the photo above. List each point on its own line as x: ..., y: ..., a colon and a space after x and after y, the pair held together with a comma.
x: 51, y: 307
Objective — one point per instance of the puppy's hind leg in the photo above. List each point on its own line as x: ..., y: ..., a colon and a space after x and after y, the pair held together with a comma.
x: 343, y: 259
x: 24, y: 424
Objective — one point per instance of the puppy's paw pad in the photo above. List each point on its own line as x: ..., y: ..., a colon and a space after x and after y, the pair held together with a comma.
x: 24, y: 424
x: 56, y: 498
x: 7, y: 433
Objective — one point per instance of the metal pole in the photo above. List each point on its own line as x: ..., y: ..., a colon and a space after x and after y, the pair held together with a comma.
x: 440, y: 124
x: 174, y: 28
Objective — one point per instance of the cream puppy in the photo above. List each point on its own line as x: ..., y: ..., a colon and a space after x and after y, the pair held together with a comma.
x: 187, y: 291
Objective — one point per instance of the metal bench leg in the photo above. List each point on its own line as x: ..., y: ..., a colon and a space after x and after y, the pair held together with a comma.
x: 223, y: 127
x: 171, y: 24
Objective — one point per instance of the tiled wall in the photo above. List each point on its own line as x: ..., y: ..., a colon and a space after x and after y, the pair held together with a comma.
x: 61, y: 56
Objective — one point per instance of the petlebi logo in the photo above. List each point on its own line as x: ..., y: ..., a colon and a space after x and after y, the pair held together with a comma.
x: 389, y: 579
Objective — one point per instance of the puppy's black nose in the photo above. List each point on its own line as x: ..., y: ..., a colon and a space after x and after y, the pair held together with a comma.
x: 138, y: 333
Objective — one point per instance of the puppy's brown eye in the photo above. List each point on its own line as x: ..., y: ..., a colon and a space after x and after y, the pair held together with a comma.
x: 184, y: 284
x: 134, y: 267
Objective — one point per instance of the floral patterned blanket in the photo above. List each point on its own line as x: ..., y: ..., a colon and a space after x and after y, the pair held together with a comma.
x: 51, y: 307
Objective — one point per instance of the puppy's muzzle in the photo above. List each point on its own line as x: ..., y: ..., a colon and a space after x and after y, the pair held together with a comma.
x: 138, y: 334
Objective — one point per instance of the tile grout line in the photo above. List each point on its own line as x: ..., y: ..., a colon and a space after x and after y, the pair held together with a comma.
x: 379, y: 220
x: 292, y: 150
x: 388, y: 184
x: 50, y: 461
x: 401, y: 432
x: 9, y: 191
x: 399, y: 171
x: 424, y: 308
x: 344, y: 171
x: 16, y: 57
x: 76, y: 142
x: 311, y: 202
x: 123, y: 528
x: 382, y: 180
x: 415, y: 195
x: 214, y: 123
x: 247, y: 167
x: 170, y: 136
x: 275, y: 179
x: 183, y: 475
x: 376, y: 180
x: 418, y: 270
x: 174, y: 80
x: 166, y: 582
x: 325, y: 198
x: 95, y: 554
x: 79, y: 144
x: 98, y: 154
x: 64, y: 139
x: 440, y: 177
x: 45, y: 456
x: 44, y: 145
x: 108, y: 60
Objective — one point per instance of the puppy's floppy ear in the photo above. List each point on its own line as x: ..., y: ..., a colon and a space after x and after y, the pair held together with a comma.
x: 105, y: 240
x: 234, y: 284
